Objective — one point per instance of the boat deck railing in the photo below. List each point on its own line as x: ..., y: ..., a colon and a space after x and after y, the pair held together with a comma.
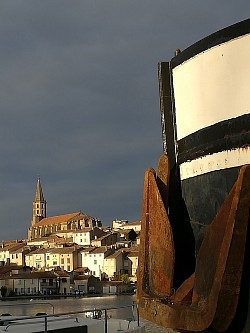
x: 10, y: 321
x: 44, y: 320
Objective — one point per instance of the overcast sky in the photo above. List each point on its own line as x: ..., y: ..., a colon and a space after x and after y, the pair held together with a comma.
x: 79, y: 99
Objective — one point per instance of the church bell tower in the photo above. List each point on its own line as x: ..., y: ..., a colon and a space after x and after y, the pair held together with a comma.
x: 39, y: 204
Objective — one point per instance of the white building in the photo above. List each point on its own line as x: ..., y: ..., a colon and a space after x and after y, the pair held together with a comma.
x: 85, y: 236
x: 93, y: 258
x: 117, y: 224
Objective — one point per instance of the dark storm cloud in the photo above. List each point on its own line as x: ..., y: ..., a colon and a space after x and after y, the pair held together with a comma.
x: 79, y: 99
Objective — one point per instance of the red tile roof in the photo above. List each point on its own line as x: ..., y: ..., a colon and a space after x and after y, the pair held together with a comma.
x: 82, y: 277
x: 63, y: 218
x: 115, y: 254
x: 8, y: 269
x: 61, y: 250
x: 35, y: 275
x: 81, y: 269
x: 62, y: 273
x: 57, y: 219
x: 101, y: 249
x: 135, y: 223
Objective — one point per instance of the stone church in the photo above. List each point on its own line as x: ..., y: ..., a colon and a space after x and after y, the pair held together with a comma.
x: 61, y: 225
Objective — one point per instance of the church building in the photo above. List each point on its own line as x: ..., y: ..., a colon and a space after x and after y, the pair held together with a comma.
x: 61, y: 225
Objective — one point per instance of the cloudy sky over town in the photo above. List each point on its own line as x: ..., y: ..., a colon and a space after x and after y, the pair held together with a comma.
x: 79, y: 99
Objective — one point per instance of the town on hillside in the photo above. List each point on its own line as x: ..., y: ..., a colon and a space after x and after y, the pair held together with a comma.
x: 70, y: 254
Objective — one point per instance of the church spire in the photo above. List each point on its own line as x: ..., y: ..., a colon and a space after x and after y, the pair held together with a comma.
x: 39, y: 191
x: 39, y: 204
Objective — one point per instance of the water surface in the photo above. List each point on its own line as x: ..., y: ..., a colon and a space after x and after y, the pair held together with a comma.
x: 62, y: 305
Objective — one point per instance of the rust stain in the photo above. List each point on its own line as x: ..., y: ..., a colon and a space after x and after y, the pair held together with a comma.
x: 156, y: 265
x: 209, y: 297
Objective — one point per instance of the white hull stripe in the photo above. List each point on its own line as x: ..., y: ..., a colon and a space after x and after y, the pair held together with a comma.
x: 217, y: 161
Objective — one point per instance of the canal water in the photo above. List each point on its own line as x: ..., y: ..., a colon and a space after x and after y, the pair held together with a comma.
x: 31, y: 307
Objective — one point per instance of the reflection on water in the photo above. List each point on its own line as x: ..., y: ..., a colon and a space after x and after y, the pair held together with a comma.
x: 31, y: 307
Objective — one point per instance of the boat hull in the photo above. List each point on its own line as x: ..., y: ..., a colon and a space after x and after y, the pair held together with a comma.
x: 206, y: 124
x: 204, y: 195
x: 205, y: 112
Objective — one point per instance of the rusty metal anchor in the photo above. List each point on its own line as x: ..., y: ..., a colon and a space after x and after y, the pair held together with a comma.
x: 209, y: 297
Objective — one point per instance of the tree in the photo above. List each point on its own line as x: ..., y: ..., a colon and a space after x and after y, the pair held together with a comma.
x: 125, y: 278
x: 121, y: 277
x: 3, y: 291
x: 116, y: 277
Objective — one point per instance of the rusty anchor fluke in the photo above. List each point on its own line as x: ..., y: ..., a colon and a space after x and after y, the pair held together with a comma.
x: 208, y: 296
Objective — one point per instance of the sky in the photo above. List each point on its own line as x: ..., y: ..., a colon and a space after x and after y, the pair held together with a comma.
x: 79, y: 99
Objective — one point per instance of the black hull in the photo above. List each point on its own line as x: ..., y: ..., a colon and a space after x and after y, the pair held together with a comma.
x: 203, y: 196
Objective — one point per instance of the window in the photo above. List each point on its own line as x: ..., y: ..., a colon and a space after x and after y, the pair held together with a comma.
x: 64, y: 280
x: 54, y: 262
x: 68, y: 268
x: 62, y: 261
x: 68, y: 260
x: 95, y: 262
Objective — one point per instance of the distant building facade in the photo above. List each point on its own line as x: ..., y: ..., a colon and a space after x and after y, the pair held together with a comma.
x: 63, y: 225
x: 117, y: 224
x: 68, y: 253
